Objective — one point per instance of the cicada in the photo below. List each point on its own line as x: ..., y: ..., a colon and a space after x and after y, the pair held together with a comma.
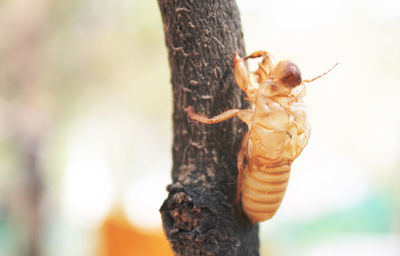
x: 277, y: 133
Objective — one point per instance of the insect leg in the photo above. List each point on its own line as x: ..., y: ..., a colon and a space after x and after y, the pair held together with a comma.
x: 240, y: 72
x: 242, y: 77
x: 241, y: 167
x: 257, y: 54
x: 216, y: 119
x: 266, y: 65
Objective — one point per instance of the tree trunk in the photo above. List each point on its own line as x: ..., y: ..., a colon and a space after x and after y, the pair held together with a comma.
x: 198, y: 216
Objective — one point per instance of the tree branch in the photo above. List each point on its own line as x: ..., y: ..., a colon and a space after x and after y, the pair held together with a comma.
x: 198, y: 215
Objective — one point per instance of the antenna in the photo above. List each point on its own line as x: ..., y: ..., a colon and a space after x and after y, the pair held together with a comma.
x: 315, y: 78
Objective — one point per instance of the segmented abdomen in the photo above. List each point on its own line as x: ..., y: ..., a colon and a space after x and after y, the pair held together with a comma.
x: 263, y: 189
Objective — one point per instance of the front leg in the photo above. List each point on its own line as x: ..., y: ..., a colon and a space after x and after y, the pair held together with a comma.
x: 241, y: 72
x: 265, y: 67
x: 242, y: 77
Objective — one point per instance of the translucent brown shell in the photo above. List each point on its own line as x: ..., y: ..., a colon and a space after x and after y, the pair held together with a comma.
x: 278, y: 131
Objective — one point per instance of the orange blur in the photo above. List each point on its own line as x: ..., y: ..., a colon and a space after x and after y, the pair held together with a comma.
x: 120, y: 238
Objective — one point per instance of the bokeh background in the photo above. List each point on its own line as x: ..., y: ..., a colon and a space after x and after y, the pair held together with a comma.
x: 85, y: 126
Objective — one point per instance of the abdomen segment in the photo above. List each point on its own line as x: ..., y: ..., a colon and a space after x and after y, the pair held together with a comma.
x: 263, y: 189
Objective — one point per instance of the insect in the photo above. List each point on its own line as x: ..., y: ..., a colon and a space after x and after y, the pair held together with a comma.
x: 278, y: 131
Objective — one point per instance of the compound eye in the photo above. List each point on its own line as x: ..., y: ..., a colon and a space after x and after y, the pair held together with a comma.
x: 287, y: 73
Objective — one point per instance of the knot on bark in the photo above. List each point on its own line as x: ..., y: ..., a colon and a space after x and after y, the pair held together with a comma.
x: 189, y: 227
x: 184, y: 213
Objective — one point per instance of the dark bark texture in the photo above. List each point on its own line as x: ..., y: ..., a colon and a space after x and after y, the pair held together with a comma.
x: 198, y: 216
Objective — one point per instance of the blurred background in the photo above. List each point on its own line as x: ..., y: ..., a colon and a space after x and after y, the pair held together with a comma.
x: 85, y: 126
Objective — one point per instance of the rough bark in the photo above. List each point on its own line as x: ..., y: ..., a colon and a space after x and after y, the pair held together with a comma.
x: 198, y: 216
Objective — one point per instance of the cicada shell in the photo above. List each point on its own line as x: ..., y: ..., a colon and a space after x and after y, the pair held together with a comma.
x: 278, y: 131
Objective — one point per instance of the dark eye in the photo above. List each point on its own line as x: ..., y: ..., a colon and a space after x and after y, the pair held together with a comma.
x: 287, y: 73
